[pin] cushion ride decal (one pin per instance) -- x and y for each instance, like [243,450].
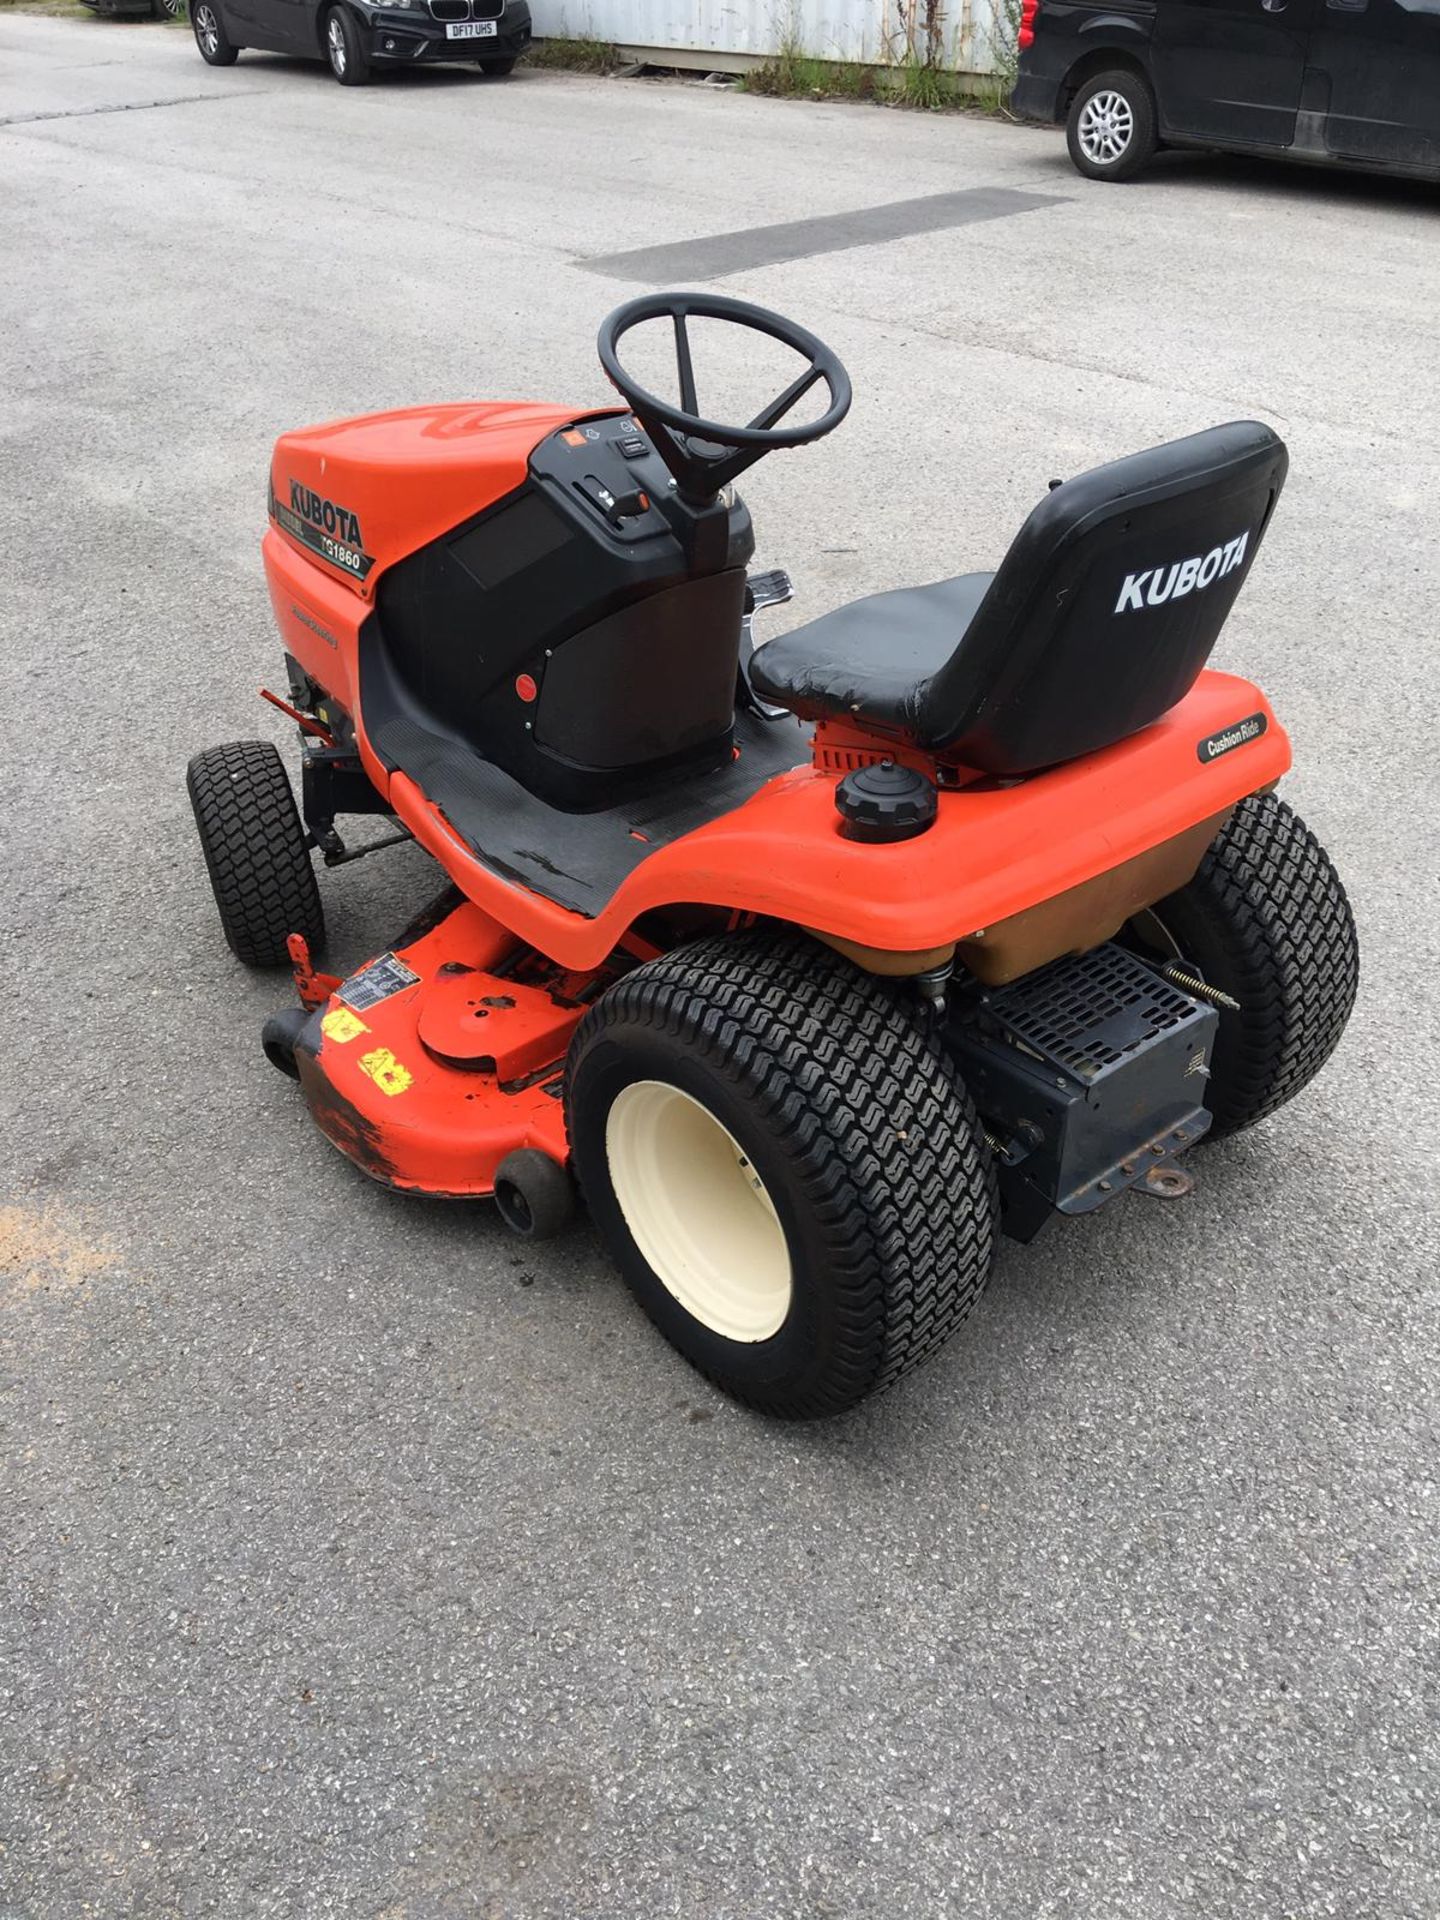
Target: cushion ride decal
[1240,735]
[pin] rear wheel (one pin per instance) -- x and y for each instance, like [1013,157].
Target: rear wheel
[789,1175]
[1266,920]
[497,67]
[255,850]
[1110,129]
[344,49]
[217,49]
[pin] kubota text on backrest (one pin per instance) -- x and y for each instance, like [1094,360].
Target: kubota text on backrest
[1108,603]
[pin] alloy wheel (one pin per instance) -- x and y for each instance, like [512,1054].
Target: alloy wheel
[1106,126]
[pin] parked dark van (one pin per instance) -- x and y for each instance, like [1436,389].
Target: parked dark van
[354,36]
[1349,82]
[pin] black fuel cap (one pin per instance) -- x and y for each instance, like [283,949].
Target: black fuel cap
[885,801]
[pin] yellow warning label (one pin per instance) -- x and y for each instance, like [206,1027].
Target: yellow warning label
[340,1025]
[385,1070]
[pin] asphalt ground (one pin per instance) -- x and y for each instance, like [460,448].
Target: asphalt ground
[360,1560]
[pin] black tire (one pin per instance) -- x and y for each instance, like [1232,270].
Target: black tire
[868,1147]
[255,851]
[278,1038]
[172,9]
[1132,114]
[535,1194]
[217,49]
[1266,920]
[344,49]
[498,68]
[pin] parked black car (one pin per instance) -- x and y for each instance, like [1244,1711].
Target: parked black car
[356,35]
[1350,82]
[160,9]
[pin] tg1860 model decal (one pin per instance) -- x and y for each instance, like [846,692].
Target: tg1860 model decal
[327,529]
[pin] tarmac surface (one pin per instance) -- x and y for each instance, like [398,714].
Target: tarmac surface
[360,1560]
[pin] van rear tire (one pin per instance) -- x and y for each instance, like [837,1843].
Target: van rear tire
[1110,128]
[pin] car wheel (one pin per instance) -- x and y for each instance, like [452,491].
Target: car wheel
[255,847]
[499,68]
[787,1171]
[171,9]
[217,49]
[343,49]
[1266,921]
[1111,126]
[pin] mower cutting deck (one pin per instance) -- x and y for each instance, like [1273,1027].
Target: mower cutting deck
[818,963]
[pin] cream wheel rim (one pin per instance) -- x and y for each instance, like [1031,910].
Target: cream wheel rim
[698,1211]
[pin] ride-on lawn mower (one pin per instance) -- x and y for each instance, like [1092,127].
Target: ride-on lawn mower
[810,1012]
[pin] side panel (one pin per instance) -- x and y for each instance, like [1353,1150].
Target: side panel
[318,617]
[280,21]
[1382,62]
[297,22]
[655,680]
[251,23]
[1231,70]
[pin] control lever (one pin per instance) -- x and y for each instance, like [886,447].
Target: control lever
[770,589]
[626,505]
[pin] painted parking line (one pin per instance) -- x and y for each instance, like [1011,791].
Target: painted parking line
[714,255]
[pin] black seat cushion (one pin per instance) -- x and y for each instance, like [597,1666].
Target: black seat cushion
[874,657]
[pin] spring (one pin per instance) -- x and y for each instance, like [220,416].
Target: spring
[1201,989]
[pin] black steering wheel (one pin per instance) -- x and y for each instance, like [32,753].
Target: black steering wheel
[702,454]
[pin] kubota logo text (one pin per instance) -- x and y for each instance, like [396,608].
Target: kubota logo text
[324,513]
[1157,584]
[332,532]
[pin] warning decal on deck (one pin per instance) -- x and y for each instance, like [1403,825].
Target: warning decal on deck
[377,982]
[341,1025]
[386,1071]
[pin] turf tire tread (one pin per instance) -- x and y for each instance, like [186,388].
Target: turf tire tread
[881,1133]
[255,851]
[1267,917]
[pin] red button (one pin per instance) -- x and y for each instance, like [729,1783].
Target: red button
[525,686]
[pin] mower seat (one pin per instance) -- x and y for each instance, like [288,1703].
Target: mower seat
[1100,618]
[870,657]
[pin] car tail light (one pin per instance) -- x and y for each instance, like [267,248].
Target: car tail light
[1028,11]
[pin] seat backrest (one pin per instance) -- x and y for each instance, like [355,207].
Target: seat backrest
[1108,603]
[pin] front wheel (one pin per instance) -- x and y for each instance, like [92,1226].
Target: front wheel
[1265,920]
[217,49]
[255,850]
[788,1173]
[344,49]
[1110,129]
